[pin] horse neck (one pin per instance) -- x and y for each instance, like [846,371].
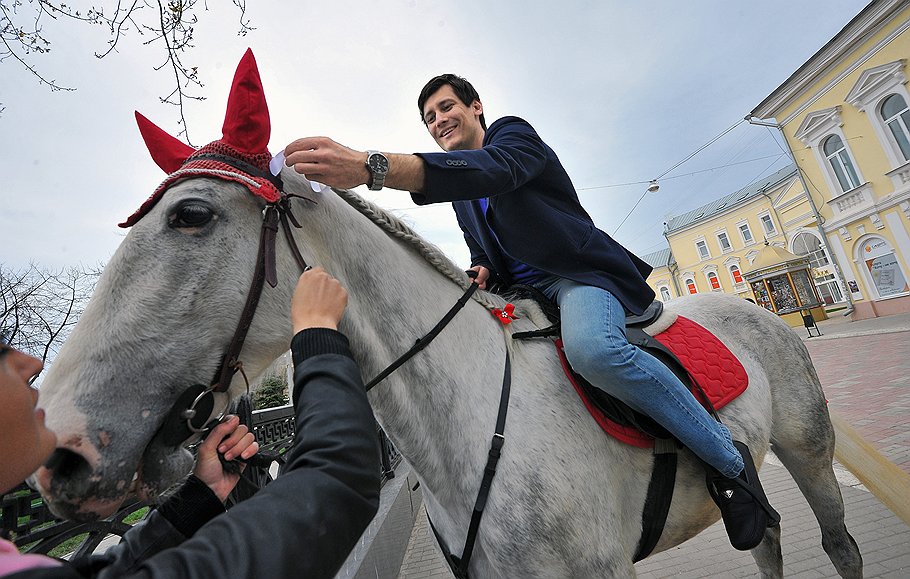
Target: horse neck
[441,401]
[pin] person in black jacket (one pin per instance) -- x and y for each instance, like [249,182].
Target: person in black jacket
[523,223]
[303,524]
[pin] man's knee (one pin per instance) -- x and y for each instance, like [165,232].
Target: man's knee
[598,362]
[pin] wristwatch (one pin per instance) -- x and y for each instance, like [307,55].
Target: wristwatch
[378,164]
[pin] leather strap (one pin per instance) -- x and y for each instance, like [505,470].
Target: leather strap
[459,565]
[660,495]
[265,262]
[424,341]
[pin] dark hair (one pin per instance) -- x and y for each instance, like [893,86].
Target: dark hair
[462,88]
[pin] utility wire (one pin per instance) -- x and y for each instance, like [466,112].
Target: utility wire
[682,175]
[689,156]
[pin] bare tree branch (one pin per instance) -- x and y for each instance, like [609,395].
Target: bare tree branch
[40,306]
[170,23]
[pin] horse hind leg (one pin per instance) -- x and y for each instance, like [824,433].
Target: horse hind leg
[802,435]
[814,475]
[806,448]
[768,556]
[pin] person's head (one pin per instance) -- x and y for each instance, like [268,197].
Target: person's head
[452,112]
[26,442]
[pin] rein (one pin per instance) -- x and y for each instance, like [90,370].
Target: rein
[425,341]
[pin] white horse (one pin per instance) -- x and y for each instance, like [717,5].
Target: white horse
[567,500]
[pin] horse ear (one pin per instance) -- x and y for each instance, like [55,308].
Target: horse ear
[246,123]
[168,152]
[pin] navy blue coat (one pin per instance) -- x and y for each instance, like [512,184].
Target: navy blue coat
[534,211]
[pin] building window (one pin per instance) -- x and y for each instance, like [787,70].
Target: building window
[702,247]
[884,270]
[896,115]
[767,224]
[690,285]
[746,233]
[840,162]
[807,244]
[736,275]
[665,293]
[724,242]
[712,279]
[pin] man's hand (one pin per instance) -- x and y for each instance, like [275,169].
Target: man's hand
[232,440]
[482,275]
[318,301]
[323,160]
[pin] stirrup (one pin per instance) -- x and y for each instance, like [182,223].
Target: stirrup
[742,502]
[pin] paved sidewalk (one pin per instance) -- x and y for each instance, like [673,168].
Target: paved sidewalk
[837,326]
[864,367]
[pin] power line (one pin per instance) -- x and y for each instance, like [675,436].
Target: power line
[776,155]
[689,156]
[702,148]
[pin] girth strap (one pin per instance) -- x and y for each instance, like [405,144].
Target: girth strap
[660,495]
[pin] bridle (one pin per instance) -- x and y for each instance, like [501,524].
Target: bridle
[190,415]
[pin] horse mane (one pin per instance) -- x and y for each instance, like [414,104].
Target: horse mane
[397,228]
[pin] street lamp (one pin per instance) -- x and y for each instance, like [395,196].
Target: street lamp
[818,217]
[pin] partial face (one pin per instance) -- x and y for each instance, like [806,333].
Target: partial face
[454,125]
[26,442]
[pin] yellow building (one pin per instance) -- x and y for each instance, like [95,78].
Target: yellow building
[712,247]
[663,278]
[844,113]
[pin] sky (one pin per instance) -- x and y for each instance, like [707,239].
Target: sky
[622,91]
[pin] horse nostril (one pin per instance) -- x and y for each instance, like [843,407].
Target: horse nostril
[67,464]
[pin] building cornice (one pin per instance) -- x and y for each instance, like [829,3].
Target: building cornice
[837,51]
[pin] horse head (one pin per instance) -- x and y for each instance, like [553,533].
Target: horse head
[180,278]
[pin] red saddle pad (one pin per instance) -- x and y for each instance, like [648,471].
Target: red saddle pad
[708,361]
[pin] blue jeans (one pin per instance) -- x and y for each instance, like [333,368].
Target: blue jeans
[593,333]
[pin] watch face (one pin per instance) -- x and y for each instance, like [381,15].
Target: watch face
[378,163]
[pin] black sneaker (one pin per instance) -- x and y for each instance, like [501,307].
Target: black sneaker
[743,504]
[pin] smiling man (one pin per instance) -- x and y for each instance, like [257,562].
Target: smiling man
[523,223]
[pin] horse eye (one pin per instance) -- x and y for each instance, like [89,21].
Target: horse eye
[191,215]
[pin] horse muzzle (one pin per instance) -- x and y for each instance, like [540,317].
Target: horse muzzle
[74,486]
[79,483]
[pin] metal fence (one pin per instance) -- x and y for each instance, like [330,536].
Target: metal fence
[26,520]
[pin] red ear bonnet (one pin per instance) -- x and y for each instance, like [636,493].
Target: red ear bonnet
[246,123]
[241,155]
[167,152]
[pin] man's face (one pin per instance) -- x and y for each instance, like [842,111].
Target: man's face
[454,125]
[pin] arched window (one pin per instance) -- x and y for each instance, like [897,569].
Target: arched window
[712,279]
[840,161]
[665,293]
[807,244]
[690,285]
[736,275]
[896,115]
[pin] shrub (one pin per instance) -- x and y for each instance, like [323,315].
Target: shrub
[272,392]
